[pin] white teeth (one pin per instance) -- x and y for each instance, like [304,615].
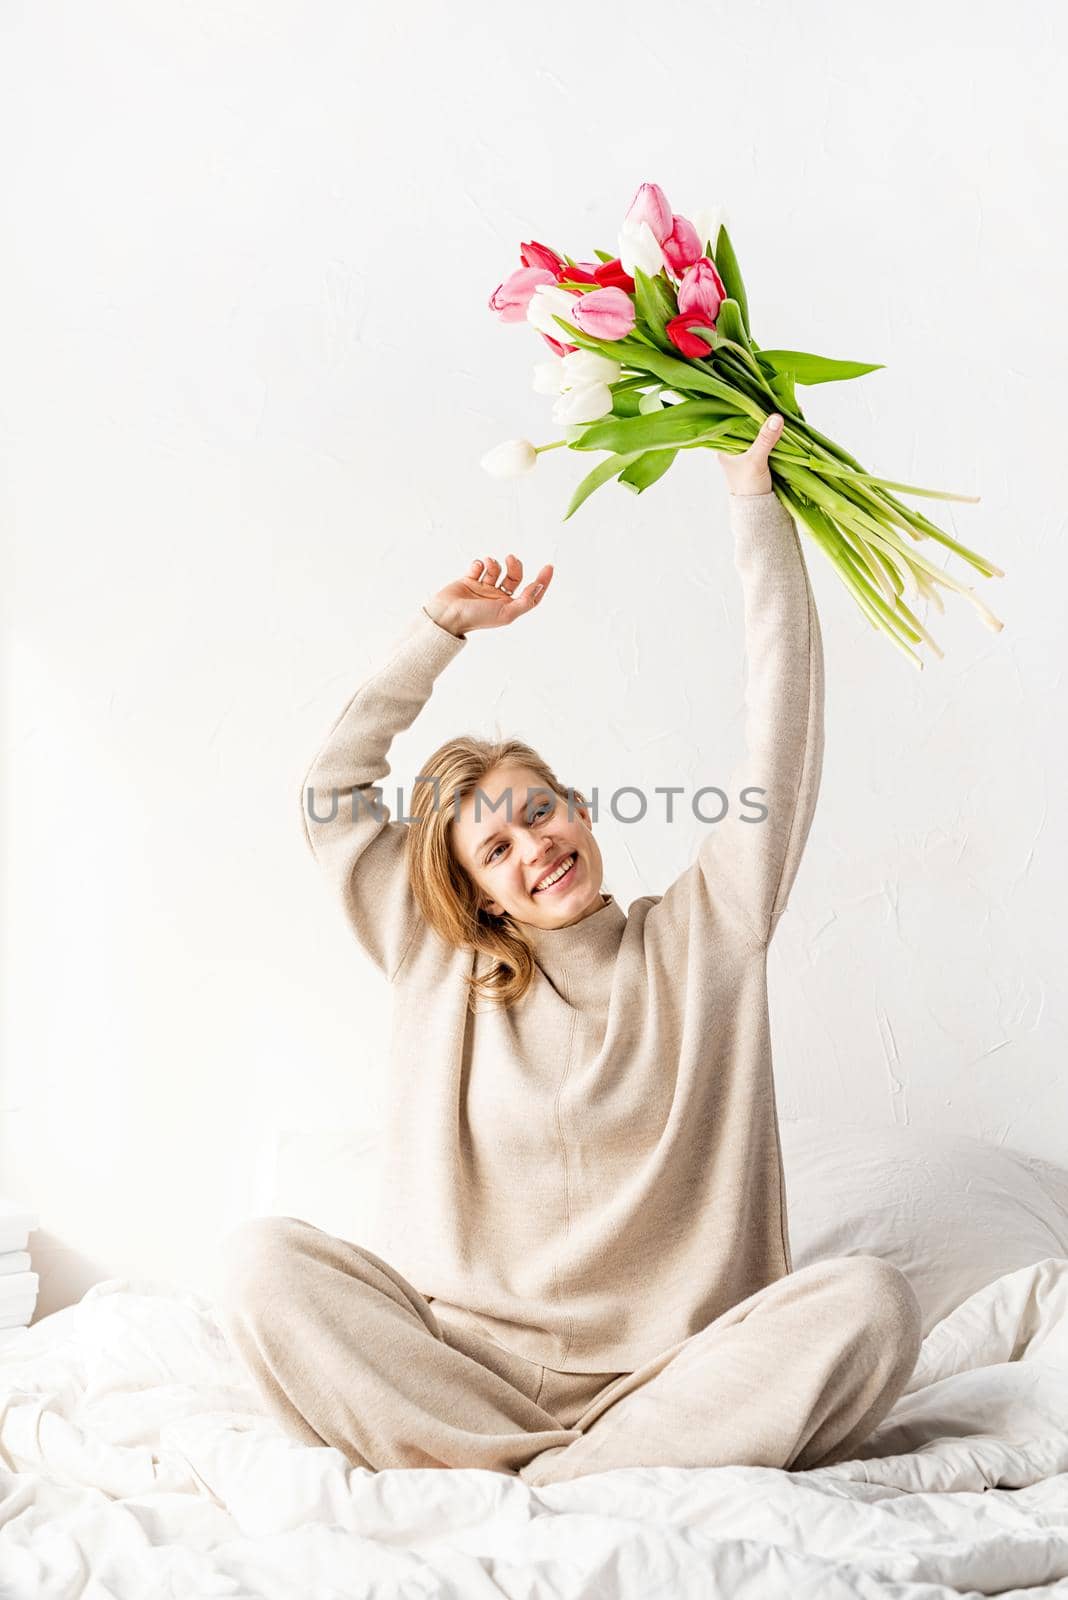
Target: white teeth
[548,882]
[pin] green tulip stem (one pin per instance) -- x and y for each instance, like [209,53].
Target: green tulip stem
[851,514]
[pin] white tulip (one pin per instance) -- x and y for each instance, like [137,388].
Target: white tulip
[650,402]
[584,404]
[638,248]
[586,366]
[546,302]
[549,377]
[510,459]
[708,222]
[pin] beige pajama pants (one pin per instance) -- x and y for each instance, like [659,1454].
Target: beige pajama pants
[345,1352]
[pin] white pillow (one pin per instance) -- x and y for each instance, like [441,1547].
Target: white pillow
[951,1212]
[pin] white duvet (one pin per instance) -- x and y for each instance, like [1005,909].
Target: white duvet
[136,1461]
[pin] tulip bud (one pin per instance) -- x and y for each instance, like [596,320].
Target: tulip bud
[638,247]
[547,302]
[584,404]
[650,206]
[691,344]
[510,459]
[606,314]
[586,366]
[701,291]
[682,247]
[511,298]
[708,222]
[610,275]
[540,255]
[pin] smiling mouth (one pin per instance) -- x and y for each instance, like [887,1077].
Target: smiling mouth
[559,883]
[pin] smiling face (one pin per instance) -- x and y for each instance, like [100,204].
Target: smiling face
[509,849]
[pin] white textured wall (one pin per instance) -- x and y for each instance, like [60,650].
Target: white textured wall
[249,372]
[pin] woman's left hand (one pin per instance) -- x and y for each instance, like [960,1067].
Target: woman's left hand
[748,473]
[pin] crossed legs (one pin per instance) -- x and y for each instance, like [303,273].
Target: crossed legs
[346,1352]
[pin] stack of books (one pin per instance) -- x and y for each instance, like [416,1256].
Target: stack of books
[18,1285]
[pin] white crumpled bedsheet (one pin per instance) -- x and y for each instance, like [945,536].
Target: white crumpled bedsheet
[136,1461]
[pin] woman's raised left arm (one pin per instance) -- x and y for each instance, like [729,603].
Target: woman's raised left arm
[750,859]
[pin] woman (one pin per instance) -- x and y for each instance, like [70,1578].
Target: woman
[584,1253]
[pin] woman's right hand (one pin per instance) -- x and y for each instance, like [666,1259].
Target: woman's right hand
[749,474]
[477,601]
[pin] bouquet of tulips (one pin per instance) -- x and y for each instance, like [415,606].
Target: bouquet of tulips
[653,354]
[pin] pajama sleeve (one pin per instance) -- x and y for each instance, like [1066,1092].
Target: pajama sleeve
[346,822]
[747,862]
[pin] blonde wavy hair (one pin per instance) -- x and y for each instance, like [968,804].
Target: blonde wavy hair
[446,894]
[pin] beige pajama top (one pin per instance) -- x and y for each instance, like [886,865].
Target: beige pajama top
[594,1174]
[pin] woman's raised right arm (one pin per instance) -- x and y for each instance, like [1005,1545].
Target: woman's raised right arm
[347,825]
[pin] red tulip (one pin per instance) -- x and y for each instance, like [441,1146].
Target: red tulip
[539,255]
[688,343]
[576,274]
[610,275]
[556,347]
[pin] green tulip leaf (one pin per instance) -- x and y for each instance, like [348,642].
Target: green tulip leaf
[647,469]
[674,425]
[601,473]
[730,325]
[782,386]
[626,403]
[656,305]
[709,335]
[727,266]
[807,369]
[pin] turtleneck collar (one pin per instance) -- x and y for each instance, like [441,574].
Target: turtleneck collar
[593,942]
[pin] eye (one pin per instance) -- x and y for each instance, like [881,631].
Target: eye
[535,816]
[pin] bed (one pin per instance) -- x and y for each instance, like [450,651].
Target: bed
[136,1459]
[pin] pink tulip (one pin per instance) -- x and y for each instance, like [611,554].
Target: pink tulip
[701,291]
[539,255]
[604,313]
[682,247]
[650,205]
[511,298]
